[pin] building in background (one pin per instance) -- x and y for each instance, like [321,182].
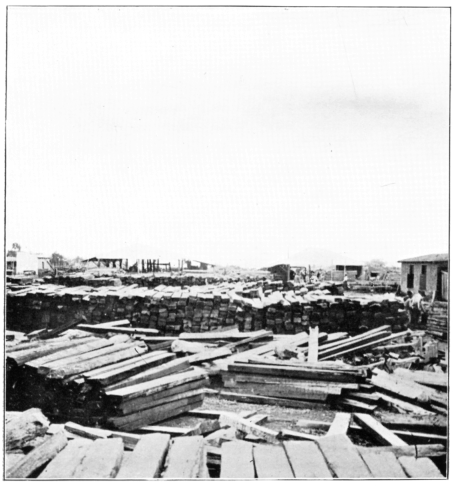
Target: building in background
[429,273]
[23,263]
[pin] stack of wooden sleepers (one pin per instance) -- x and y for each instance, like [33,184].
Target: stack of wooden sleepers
[437,322]
[173,309]
[98,380]
[37,449]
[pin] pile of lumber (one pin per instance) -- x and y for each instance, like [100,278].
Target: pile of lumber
[73,377]
[245,448]
[437,322]
[249,306]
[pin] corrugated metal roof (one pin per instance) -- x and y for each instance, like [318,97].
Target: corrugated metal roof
[433,258]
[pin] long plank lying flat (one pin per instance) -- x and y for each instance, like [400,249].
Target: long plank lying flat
[147,458]
[284,391]
[306,460]
[21,357]
[184,458]
[343,458]
[66,462]
[281,402]
[39,456]
[237,460]
[102,460]
[383,464]
[248,427]
[422,467]
[271,462]
[375,428]
[419,450]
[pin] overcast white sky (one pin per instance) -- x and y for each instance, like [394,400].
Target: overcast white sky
[232,135]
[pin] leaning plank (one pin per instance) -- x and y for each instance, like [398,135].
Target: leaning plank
[313,345]
[383,464]
[420,468]
[438,380]
[244,425]
[209,355]
[306,460]
[356,405]
[147,458]
[402,405]
[286,434]
[184,458]
[39,456]
[343,458]
[237,460]
[119,329]
[340,424]
[24,428]
[414,421]
[102,461]
[375,428]
[163,429]
[65,463]
[271,462]
[21,357]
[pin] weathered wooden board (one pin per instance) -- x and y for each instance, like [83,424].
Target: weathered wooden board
[147,458]
[102,460]
[313,344]
[343,458]
[24,428]
[237,460]
[419,450]
[65,463]
[118,329]
[271,462]
[420,468]
[39,456]
[184,458]
[87,432]
[281,402]
[306,460]
[382,464]
[248,427]
[340,424]
[375,428]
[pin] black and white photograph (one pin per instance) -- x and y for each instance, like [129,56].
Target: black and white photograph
[226,241]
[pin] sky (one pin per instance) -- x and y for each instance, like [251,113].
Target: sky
[230,135]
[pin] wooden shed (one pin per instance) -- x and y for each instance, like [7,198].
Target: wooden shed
[429,273]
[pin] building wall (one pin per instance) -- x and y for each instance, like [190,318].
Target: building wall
[431,280]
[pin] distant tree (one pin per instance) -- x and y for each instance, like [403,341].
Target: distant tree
[56,259]
[16,247]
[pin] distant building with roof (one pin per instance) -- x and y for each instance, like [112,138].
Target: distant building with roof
[429,273]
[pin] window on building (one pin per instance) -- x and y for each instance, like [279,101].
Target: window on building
[423,278]
[410,283]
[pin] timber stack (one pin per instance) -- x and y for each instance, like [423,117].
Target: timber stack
[437,322]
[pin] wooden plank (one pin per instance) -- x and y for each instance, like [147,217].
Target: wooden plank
[132,368]
[356,405]
[403,406]
[311,393]
[118,329]
[306,460]
[155,386]
[343,458]
[413,422]
[419,450]
[377,430]
[147,458]
[263,400]
[23,428]
[271,462]
[155,414]
[383,464]
[21,357]
[415,437]
[39,456]
[87,432]
[209,355]
[248,427]
[420,468]
[296,372]
[160,371]
[313,344]
[439,380]
[184,458]
[237,460]
[102,460]
[286,434]
[164,429]
[66,462]
[262,335]
[340,424]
